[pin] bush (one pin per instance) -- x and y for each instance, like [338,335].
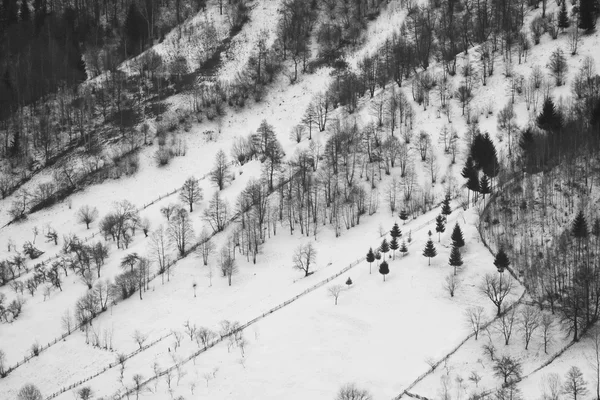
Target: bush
[163,156]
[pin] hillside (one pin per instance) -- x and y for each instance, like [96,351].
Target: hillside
[230,222]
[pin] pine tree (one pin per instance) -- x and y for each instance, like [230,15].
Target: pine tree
[403,248]
[469,172]
[587,15]
[25,12]
[549,119]
[429,251]
[440,226]
[385,247]
[370,258]
[457,236]
[396,232]
[484,186]
[455,258]
[501,261]
[349,282]
[384,269]
[580,230]
[377,256]
[394,245]
[446,210]
[563,17]
[492,166]
[404,216]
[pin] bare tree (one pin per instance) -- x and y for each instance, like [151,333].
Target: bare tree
[593,357]
[506,323]
[158,249]
[474,318]
[547,324]
[496,289]
[508,368]
[551,387]
[334,291]
[190,192]
[575,386]
[206,246]
[217,213]
[228,264]
[139,337]
[181,231]
[85,393]
[29,392]
[86,215]
[351,392]
[220,174]
[204,336]
[529,322]
[451,284]
[2,364]
[304,256]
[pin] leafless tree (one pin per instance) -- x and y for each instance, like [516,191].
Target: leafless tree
[474,318]
[217,213]
[159,245]
[220,174]
[497,289]
[593,357]
[228,264]
[451,284]
[190,193]
[139,337]
[529,321]
[506,323]
[204,336]
[190,329]
[29,392]
[304,256]
[575,386]
[334,291]
[351,392]
[181,231]
[2,364]
[86,215]
[551,387]
[547,324]
[508,368]
[206,246]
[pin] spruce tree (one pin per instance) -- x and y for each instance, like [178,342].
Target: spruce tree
[563,17]
[484,186]
[587,15]
[349,282]
[404,215]
[457,236]
[501,261]
[440,226]
[377,256]
[403,248]
[394,245]
[370,258]
[396,232]
[446,210]
[549,119]
[491,165]
[384,269]
[429,250]
[580,230]
[455,258]
[385,247]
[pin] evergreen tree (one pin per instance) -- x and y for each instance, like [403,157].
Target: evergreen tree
[457,236]
[370,258]
[429,250]
[403,248]
[394,245]
[384,269]
[469,172]
[15,146]
[587,15]
[377,256]
[491,165]
[484,186]
[580,230]
[501,261]
[549,119]
[455,258]
[478,151]
[25,12]
[440,226]
[385,247]
[446,210]
[563,17]
[349,282]
[404,215]
[396,232]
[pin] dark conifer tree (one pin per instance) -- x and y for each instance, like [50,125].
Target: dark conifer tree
[587,15]
[429,251]
[484,186]
[549,119]
[446,210]
[563,16]
[384,248]
[25,12]
[395,232]
[457,236]
[384,269]
[501,261]
[394,245]
[403,248]
[455,258]
[349,282]
[580,230]
[404,215]
[440,226]
[378,256]
[370,258]
[469,172]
